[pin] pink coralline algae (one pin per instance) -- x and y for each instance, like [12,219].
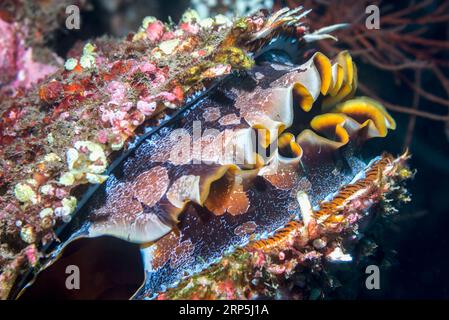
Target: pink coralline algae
[155,31]
[18,67]
[146,108]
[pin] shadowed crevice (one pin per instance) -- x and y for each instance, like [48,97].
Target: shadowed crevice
[109,268]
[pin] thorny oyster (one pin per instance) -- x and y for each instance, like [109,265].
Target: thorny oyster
[225,171]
